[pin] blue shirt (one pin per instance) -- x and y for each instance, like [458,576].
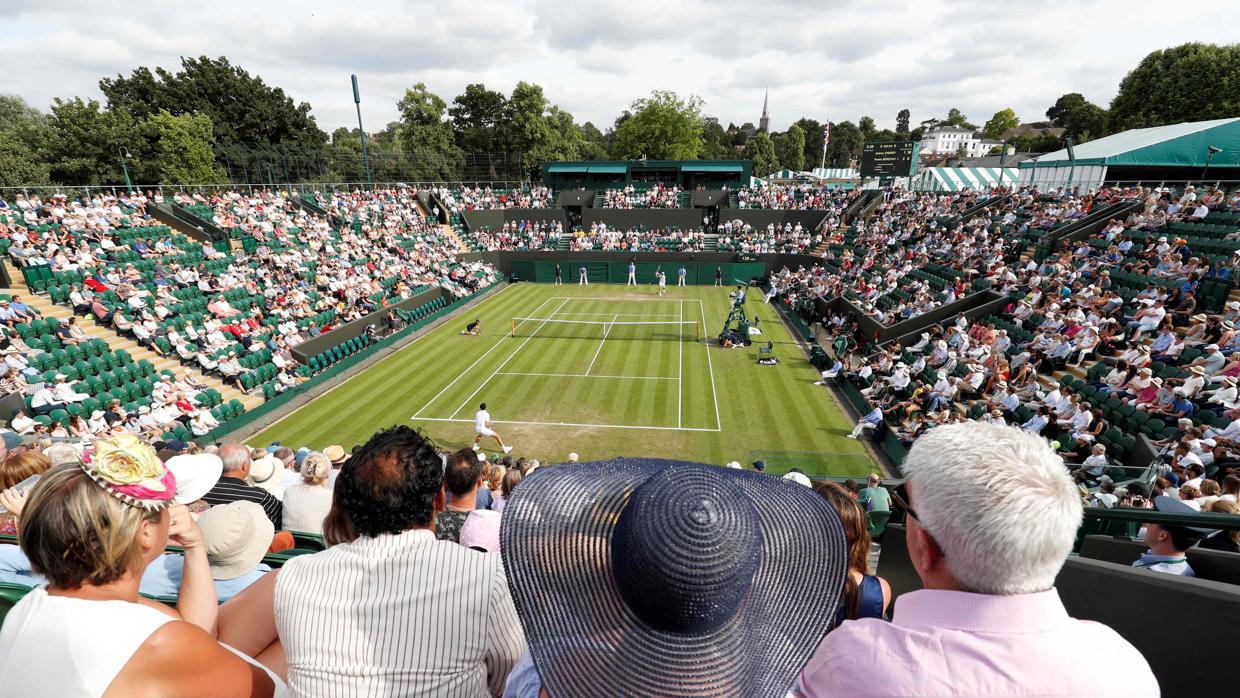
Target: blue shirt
[484,499]
[1169,564]
[875,417]
[163,578]
[15,567]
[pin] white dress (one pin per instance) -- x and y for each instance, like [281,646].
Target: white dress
[67,647]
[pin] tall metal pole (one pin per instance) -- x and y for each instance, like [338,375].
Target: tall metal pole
[123,152]
[357,101]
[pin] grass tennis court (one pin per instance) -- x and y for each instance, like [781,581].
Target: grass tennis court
[603,370]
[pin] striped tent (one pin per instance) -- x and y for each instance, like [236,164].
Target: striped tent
[835,172]
[786,175]
[958,178]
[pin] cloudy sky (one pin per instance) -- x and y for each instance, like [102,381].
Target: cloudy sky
[834,59]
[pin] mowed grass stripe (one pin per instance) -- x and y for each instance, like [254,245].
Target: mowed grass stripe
[761,408]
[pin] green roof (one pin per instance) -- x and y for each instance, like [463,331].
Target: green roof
[712,168]
[608,169]
[566,167]
[1176,145]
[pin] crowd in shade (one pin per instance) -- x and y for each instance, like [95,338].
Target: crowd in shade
[485,198]
[657,196]
[600,236]
[519,235]
[178,568]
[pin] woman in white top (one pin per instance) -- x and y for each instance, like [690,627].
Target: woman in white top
[91,529]
[306,505]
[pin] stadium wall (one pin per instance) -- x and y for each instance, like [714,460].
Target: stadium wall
[495,218]
[313,347]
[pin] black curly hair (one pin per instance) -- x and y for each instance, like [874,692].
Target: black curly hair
[390,483]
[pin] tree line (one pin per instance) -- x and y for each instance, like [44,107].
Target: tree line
[214,122]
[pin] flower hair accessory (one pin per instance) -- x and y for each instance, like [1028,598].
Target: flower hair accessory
[129,470]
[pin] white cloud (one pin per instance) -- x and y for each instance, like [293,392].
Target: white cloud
[837,59]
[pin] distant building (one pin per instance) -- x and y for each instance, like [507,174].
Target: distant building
[949,140]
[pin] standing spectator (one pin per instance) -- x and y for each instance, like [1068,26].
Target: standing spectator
[306,505]
[1008,634]
[233,487]
[351,617]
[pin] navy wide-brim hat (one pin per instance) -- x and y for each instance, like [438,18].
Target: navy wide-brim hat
[636,577]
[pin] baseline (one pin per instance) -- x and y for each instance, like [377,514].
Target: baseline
[566,424]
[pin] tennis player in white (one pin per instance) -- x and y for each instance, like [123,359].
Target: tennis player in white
[662,283]
[482,426]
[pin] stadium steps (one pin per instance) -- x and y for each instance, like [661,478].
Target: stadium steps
[115,341]
[565,243]
[711,242]
[450,233]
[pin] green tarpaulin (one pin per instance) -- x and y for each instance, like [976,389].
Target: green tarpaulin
[1177,145]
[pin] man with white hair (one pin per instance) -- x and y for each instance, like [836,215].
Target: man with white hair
[988,620]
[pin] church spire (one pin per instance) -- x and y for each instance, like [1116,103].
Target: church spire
[765,122]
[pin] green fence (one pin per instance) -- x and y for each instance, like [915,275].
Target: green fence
[697,273]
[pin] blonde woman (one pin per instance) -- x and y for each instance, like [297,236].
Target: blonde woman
[91,529]
[307,504]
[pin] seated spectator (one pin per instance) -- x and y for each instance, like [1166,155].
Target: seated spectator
[865,595]
[1168,543]
[385,569]
[989,620]
[90,529]
[462,478]
[1228,541]
[233,487]
[237,537]
[13,471]
[306,505]
[637,597]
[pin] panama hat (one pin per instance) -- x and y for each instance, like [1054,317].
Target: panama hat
[238,535]
[653,577]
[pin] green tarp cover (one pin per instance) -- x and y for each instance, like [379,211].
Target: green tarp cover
[564,167]
[1177,145]
[712,168]
[609,169]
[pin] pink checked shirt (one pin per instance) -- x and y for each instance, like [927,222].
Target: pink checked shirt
[952,643]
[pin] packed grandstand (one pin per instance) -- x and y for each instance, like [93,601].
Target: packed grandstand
[241,455]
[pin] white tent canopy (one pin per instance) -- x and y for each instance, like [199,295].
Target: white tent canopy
[959,178]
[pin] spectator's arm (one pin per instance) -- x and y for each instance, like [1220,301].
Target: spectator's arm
[505,642]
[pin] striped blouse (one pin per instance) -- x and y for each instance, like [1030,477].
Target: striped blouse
[397,615]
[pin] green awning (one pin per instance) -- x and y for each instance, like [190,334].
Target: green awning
[608,169]
[567,167]
[712,168]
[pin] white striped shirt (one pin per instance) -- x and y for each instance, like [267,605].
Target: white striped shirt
[397,615]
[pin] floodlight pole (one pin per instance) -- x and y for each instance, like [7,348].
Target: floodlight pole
[1210,151]
[123,152]
[357,101]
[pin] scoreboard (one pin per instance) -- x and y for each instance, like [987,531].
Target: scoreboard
[892,159]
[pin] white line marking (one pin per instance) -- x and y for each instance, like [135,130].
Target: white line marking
[582,375]
[565,424]
[606,331]
[680,366]
[642,315]
[415,340]
[506,361]
[710,365]
[471,366]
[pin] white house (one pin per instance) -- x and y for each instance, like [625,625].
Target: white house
[948,140]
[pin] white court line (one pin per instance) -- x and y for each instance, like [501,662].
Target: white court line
[606,332]
[475,363]
[510,358]
[711,366]
[680,366]
[624,300]
[641,315]
[582,375]
[565,424]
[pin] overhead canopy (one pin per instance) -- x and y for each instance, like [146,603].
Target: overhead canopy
[608,169]
[567,167]
[1177,145]
[714,167]
[835,172]
[958,178]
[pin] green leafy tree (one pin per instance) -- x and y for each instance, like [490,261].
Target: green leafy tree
[790,148]
[594,143]
[761,151]
[1003,120]
[539,132]
[83,142]
[813,142]
[242,107]
[716,143]
[23,132]
[902,119]
[181,149]
[884,136]
[956,118]
[426,136]
[1190,82]
[662,127]
[1078,117]
[477,114]
[845,144]
[867,128]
